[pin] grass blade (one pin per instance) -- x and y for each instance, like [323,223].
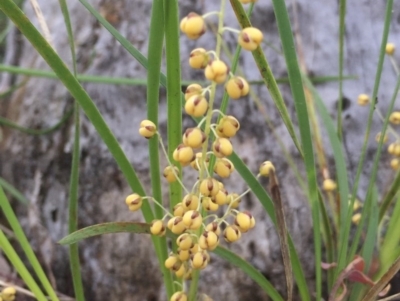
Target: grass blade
[13,191]
[342,15]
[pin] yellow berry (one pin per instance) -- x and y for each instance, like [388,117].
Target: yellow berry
[223,167]
[208,204]
[249,38]
[134,201]
[170,173]
[216,71]
[193,26]
[391,148]
[232,233]
[390,48]
[198,58]
[147,129]
[192,219]
[208,240]
[176,225]
[234,200]
[395,164]
[395,117]
[266,167]
[214,227]
[196,106]
[185,241]
[209,187]
[8,293]
[221,198]
[190,202]
[200,260]
[363,99]
[157,227]
[194,137]
[356,218]
[237,87]
[245,221]
[193,89]
[222,147]
[179,210]
[179,296]
[183,154]
[227,127]
[329,185]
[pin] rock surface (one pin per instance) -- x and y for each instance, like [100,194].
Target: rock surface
[123,266]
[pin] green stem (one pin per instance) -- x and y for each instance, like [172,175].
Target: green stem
[342,15]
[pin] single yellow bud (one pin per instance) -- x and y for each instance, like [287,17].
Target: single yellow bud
[363,99]
[395,117]
[227,127]
[157,227]
[223,167]
[193,89]
[179,296]
[171,261]
[196,105]
[170,173]
[198,161]
[232,233]
[193,26]
[356,218]
[329,185]
[221,198]
[147,129]
[198,58]
[8,293]
[245,221]
[391,148]
[194,137]
[183,255]
[208,204]
[181,271]
[216,71]
[222,147]
[237,87]
[214,227]
[390,48]
[209,187]
[266,167]
[249,38]
[185,241]
[234,200]
[134,201]
[208,240]
[176,225]
[192,219]
[183,154]
[395,164]
[200,260]
[179,210]
[190,202]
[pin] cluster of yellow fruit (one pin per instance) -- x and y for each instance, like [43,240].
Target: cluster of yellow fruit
[8,294]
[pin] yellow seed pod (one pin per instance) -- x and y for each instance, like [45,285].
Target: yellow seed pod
[390,48]
[222,147]
[194,137]
[391,148]
[191,90]
[395,163]
[363,99]
[214,227]
[245,221]
[396,150]
[221,198]
[216,71]
[197,162]
[196,105]
[170,172]
[200,260]
[266,167]
[356,218]
[208,204]
[171,261]
[134,201]
[193,26]
[234,200]
[182,270]
[190,202]
[227,127]
[209,187]
[183,154]
[232,233]
[198,58]
[147,129]
[378,137]
[8,293]
[395,117]
[179,210]
[357,204]
[249,38]
[237,87]
[192,219]
[185,241]
[208,240]
[178,296]
[223,167]
[329,185]
[176,225]
[157,227]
